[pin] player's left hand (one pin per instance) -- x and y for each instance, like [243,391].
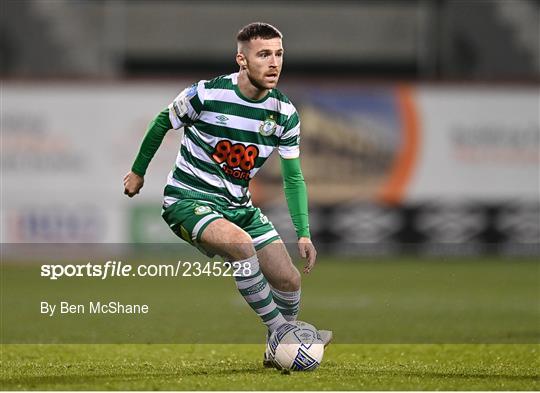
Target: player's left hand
[307,250]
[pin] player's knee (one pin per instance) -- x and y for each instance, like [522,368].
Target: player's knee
[294,281]
[297,280]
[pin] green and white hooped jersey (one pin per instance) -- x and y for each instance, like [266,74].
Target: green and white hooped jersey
[227,138]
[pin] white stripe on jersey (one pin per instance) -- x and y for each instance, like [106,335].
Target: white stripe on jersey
[195,151]
[237,122]
[175,183]
[212,180]
[292,132]
[181,105]
[271,103]
[289,152]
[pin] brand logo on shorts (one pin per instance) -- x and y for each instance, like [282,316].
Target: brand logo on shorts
[268,127]
[199,210]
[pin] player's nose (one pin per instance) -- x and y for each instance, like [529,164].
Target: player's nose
[273,61]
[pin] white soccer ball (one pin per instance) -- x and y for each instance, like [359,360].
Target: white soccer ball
[296,346]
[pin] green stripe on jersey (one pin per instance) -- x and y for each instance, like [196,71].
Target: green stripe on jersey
[196,104]
[181,193]
[207,167]
[221,82]
[190,134]
[236,134]
[200,185]
[292,141]
[248,112]
[293,122]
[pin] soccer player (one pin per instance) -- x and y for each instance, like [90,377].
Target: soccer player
[232,124]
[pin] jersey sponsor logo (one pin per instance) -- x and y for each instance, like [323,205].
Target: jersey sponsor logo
[268,127]
[236,160]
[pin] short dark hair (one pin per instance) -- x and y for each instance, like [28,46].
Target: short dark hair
[255,30]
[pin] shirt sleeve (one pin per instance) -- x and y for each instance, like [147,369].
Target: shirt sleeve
[289,142]
[295,190]
[187,106]
[152,140]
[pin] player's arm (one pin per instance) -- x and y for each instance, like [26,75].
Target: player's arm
[134,180]
[184,109]
[295,190]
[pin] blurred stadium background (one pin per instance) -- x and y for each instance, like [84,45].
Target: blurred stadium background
[420,118]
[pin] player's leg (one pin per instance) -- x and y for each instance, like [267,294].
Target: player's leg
[283,276]
[275,261]
[276,265]
[235,245]
[203,225]
[284,280]
[227,240]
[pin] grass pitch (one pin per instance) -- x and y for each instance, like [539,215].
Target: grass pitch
[400,324]
[238,367]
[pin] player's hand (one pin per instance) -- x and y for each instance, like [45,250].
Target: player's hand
[307,250]
[133,184]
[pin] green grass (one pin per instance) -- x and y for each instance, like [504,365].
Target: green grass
[399,324]
[364,301]
[238,367]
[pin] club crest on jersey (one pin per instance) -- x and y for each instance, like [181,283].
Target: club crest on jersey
[200,210]
[268,127]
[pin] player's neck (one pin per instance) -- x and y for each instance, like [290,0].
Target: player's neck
[248,89]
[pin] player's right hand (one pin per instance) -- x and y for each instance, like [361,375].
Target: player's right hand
[133,184]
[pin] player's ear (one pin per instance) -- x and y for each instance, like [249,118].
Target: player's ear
[241,60]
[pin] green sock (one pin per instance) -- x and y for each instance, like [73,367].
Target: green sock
[256,290]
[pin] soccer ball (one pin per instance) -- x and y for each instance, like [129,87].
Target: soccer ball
[296,346]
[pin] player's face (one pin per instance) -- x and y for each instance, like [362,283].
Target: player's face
[263,62]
